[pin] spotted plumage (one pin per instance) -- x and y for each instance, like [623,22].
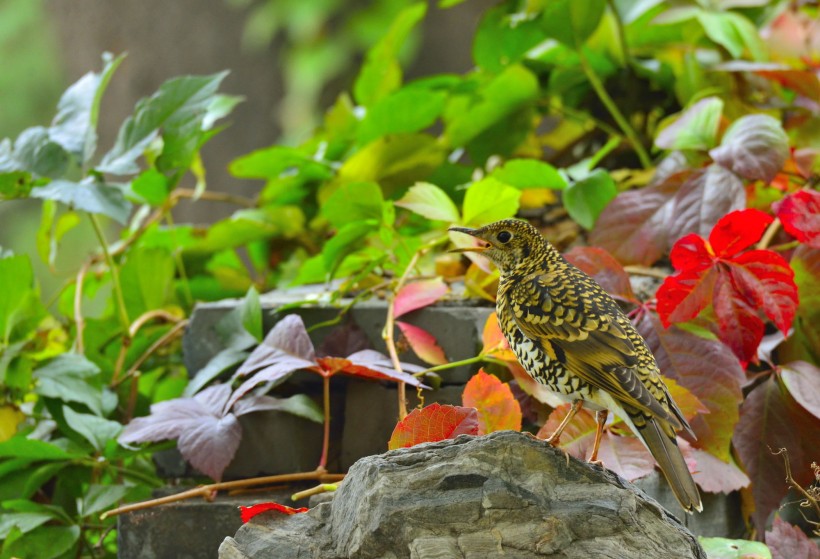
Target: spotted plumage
[571,336]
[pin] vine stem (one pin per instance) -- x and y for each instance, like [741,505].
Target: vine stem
[326,428]
[613,109]
[323,488]
[115,274]
[207,491]
[769,235]
[79,321]
[168,336]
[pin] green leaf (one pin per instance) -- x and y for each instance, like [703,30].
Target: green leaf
[50,234]
[66,378]
[503,38]
[353,201]
[44,542]
[151,187]
[723,548]
[346,240]
[16,184]
[218,364]
[33,449]
[74,127]
[96,430]
[408,110]
[272,162]
[20,306]
[147,280]
[245,226]
[381,73]
[529,173]
[24,521]
[178,107]
[35,152]
[251,313]
[430,201]
[98,498]
[467,116]
[572,21]
[695,128]
[220,106]
[88,195]
[586,199]
[302,406]
[394,160]
[489,200]
[733,32]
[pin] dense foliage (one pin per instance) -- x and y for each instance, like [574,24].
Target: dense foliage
[682,139]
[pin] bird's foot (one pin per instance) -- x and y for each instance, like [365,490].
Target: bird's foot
[596,463]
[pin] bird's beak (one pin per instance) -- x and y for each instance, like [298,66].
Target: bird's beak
[472,232]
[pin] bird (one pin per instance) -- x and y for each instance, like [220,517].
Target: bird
[569,334]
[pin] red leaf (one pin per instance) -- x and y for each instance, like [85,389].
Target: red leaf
[691,253]
[800,215]
[739,325]
[604,269]
[372,365]
[251,511]
[417,295]
[497,407]
[423,343]
[713,474]
[738,231]
[767,281]
[682,296]
[790,542]
[803,382]
[706,369]
[435,422]
[769,420]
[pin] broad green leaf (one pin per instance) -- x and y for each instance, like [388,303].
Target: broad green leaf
[74,127]
[15,184]
[219,106]
[89,195]
[251,313]
[723,548]
[96,430]
[302,406]
[24,521]
[466,116]
[586,199]
[178,107]
[410,109]
[430,201]
[35,152]
[572,21]
[32,449]
[98,498]
[529,173]
[44,542]
[489,200]
[353,201]
[218,364]
[732,31]
[503,38]
[66,378]
[695,128]
[20,306]
[147,280]
[245,226]
[272,162]
[381,73]
[395,160]
[346,240]
[151,187]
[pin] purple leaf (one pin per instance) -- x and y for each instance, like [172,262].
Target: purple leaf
[167,420]
[288,339]
[702,200]
[344,340]
[214,398]
[754,146]
[603,268]
[210,444]
[274,374]
[803,382]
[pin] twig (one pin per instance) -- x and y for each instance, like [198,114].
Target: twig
[151,315]
[169,335]
[324,488]
[326,425]
[79,321]
[810,501]
[768,236]
[206,491]
[613,109]
[214,197]
[644,271]
[115,276]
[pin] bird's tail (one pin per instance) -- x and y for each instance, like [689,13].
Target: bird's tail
[665,450]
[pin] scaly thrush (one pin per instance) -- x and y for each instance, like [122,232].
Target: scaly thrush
[571,336]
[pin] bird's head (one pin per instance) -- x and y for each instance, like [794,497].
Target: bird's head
[507,243]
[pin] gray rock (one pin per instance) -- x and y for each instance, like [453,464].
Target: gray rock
[502,495]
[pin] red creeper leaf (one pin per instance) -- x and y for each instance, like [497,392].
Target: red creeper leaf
[497,407]
[433,423]
[423,343]
[253,510]
[789,542]
[767,280]
[800,215]
[738,231]
[417,295]
[739,326]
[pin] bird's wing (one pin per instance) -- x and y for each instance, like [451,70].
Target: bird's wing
[579,320]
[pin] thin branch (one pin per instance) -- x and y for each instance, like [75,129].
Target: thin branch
[323,488]
[207,491]
[151,315]
[644,271]
[810,500]
[214,197]
[115,275]
[614,111]
[168,336]
[768,236]
[79,321]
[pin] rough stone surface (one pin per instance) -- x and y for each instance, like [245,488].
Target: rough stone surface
[503,495]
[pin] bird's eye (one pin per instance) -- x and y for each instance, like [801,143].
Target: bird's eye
[504,236]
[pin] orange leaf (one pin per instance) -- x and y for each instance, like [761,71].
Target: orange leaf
[688,403]
[578,436]
[497,407]
[495,344]
[435,422]
[249,512]
[423,343]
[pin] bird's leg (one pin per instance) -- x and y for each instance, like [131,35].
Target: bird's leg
[600,421]
[576,407]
